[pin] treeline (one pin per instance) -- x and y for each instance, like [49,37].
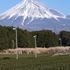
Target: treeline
[45,38]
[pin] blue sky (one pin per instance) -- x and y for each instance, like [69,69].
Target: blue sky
[60,5]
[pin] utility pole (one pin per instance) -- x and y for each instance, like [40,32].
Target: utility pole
[60,41]
[35,45]
[16,43]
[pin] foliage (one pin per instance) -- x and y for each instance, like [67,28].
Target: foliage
[65,37]
[45,38]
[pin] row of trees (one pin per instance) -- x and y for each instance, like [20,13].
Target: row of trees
[45,38]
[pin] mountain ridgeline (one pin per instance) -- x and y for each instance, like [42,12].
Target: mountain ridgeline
[45,38]
[33,16]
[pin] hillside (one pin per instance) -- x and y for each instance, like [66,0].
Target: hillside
[33,16]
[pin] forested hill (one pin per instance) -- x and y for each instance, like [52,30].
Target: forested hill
[45,38]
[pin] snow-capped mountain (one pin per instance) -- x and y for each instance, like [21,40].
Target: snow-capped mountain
[31,15]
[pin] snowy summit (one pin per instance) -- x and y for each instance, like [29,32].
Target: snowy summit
[31,15]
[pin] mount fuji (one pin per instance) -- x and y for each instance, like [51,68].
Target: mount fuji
[33,16]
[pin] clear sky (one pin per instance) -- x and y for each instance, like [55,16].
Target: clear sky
[60,5]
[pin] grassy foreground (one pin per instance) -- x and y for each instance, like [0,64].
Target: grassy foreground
[29,62]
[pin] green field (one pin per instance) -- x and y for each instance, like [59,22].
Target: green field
[29,62]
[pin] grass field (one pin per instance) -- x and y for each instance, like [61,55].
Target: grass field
[29,62]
